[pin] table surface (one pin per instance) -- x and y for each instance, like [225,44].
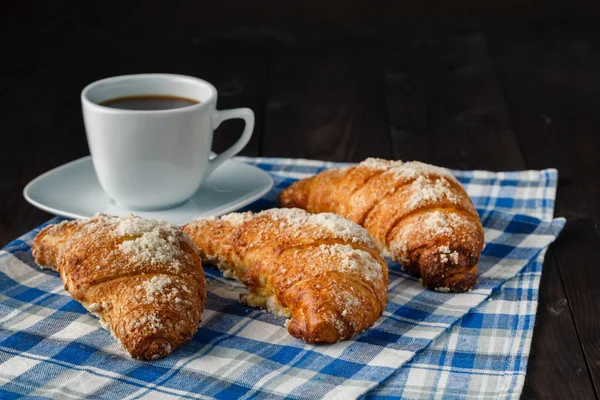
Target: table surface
[467,96]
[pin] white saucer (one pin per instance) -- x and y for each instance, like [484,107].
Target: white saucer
[72,190]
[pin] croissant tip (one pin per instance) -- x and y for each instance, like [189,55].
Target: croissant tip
[153,348]
[457,283]
[323,332]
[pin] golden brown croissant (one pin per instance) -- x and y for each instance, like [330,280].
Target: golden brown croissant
[322,271]
[420,215]
[142,278]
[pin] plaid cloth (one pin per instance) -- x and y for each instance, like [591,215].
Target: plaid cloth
[426,345]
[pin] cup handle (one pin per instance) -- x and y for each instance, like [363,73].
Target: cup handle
[243,113]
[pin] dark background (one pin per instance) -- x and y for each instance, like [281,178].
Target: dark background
[498,85]
[228,12]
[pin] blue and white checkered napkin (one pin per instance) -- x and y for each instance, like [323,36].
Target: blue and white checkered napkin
[473,344]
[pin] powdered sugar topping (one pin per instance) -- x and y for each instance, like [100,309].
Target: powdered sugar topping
[444,250]
[435,224]
[438,223]
[130,225]
[406,170]
[150,321]
[380,163]
[237,218]
[340,227]
[353,260]
[448,256]
[144,240]
[424,189]
[148,240]
[398,251]
[413,169]
[158,286]
[153,247]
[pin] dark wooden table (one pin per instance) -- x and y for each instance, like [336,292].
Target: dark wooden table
[467,96]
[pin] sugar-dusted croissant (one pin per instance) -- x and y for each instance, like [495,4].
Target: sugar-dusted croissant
[322,271]
[142,278]
[420,215]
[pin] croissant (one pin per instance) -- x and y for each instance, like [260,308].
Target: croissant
[322,271]
[419,215]
[142,279]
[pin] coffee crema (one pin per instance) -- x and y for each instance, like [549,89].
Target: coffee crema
[149,102]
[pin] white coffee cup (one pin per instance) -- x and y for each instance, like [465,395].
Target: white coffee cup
[155,159]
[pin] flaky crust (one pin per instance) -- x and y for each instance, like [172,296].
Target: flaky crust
[51,238]
[143,279]
[420,215]
[322,271]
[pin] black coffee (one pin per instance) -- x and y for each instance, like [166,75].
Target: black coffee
[149,102]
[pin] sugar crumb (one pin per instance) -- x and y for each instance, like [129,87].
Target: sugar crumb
[345,258]
[424,189]
[154,247]
[157,286]
[340,227]
[237,218]
[131,225]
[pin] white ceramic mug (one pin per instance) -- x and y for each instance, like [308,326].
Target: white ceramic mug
[155,159]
